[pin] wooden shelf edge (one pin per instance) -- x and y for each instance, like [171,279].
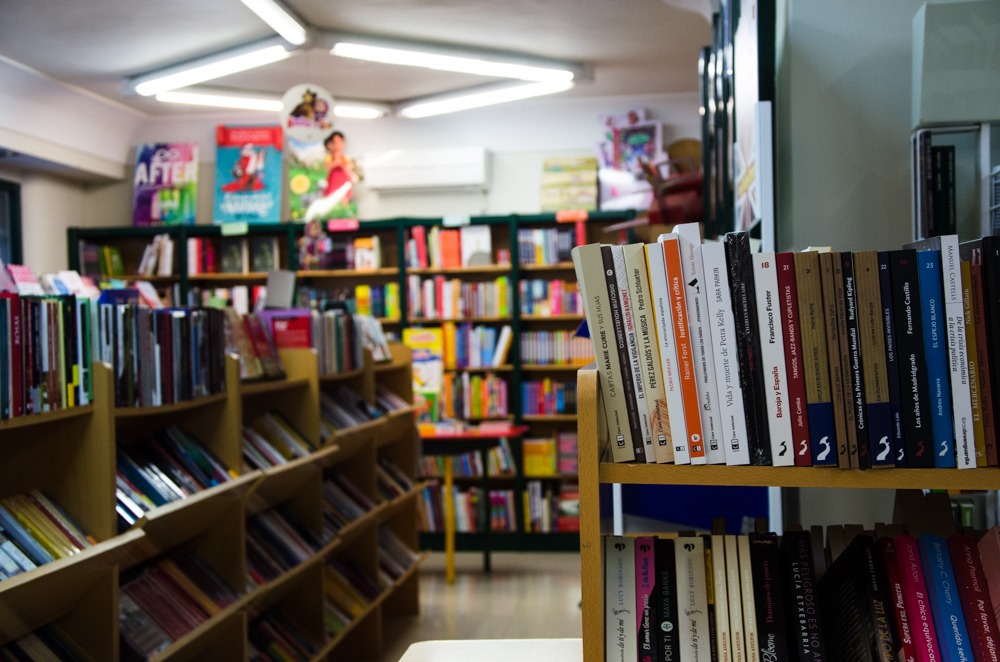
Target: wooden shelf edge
[341,376]
[45,417]
[257,388]
[174,408]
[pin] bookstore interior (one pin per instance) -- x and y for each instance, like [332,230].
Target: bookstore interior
[237,423]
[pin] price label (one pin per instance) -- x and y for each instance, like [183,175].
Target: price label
[234,229]
[342,225]
[571,215]
[455,221]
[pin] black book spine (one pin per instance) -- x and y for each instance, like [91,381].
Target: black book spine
[891,359]
[625,361]
[806,642]
[912,365]
[664,600]
[743,294]
[855,375]
[991,304]
[768,598]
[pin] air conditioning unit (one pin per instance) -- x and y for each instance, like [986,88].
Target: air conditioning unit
[425,169]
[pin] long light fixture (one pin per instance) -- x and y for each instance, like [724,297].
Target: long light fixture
[451,103]
[209,68]
[218,98]
[442,58]
[280,20]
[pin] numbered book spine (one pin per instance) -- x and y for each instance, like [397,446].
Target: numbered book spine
[946,608]
[645,585]
[804,623]
[815,360]
[872,335]
[918,606]
[773,358]
[695,291]
[589,267]
[891,359]
[685,352]
[667,354]
[936,355]
[827,278]
[723,341]
[667,621]
[910,356]
[646,345]
[619,599]
[628,355]
[790,326]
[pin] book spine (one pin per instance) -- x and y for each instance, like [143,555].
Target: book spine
[949,622]
[685,352]
[797,403]
[645,584]
[667,354]
[589,266]
[720,588]
[872,336]
[751,641]
[621,319]
[646,345]
[773,358]
[799,576]
[974,594]
[972,363]
[695,293]
[667,621]
[904,635]
[768,597]
[991,312]
[619,599]
[694,642]
[910,355]
[722,327]
[712,611]
[744,300]
[854,365]
[737,637]
[891,359]
[982,360]
[957,351]
[936,355]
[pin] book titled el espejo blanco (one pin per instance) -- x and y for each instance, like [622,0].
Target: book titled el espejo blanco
[165,184]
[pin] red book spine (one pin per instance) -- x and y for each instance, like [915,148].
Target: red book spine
[16,355]
[904,628]
[793,358]
[918,607]
[983,363]
[973,591]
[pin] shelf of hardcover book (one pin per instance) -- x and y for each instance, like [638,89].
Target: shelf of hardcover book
[287,621]
[104,253]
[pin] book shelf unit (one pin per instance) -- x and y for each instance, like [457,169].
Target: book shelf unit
[595,515]
[70,455]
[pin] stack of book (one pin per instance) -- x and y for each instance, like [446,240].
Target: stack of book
[346,409]
[272,441]
[390,482]
[548,397]
[275,636]
[440,298]
[277,542]
[548,245]
[343,503]
[48,642]
[35,530]
[555,348]
[395,557]
[480,346]
[474,397]
[708,353]
[349,587]
[549,297]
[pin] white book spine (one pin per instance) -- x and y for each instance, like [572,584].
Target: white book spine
[695,291]
[772,359]
[722,324]
[667,352]
[694,642]
[961,396]
[723,635]
[749,607]
[632,342]
[735,605]
[620,625]
[642,312]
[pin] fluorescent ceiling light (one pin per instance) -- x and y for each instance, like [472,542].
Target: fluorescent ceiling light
[209,68]
[455,102]
[279,19]
[359,111]
[221,100]
[443,59]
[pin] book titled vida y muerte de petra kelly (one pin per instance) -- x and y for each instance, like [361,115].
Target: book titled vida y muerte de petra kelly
[165,184]
[248,174]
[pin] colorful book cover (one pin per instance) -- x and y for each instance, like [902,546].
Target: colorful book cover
[428,366]
[936,353]
[247,174]
[308,175]
[165,184]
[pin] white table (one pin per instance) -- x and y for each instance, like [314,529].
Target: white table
[496,650]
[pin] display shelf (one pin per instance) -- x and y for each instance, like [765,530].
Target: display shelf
[551,367]
[483,270]
[550,418]
[352,274]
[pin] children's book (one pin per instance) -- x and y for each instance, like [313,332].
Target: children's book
[165,184]
[248,174]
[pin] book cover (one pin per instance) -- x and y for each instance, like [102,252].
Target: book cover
[974,594]
[798,406]
[909,328]
[677,450]
[936,356]
[873,344]
[942,591]
[837,376]
[265,253]
[891,360]
[806,642]
[744,298]
[904,635]
[769,597]
[589,265]
[645,584]
[916,599]
[632,360]
[696,293]
[694,642]
[165,184]
[234,255]
[855,602]
[646,343]
[815,358]
[772,356]
[722,328]
[620,624]
[248,174]
[476,245]
[685,351]
[665,605]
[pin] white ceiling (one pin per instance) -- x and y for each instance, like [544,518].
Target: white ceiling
[636,47]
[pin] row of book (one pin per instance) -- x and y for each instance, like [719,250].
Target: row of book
[49,642]
[473,396]
[549,508]
[500,510]
[555,348]
[550,456]
[35,530]
[540,297]
[229,255]
[449,248]
[271,441]
[548,396]
[759,596]
[708,353]
[378,300]
[537,246]
[277,541]
[343,503]
[475,346]
[443,298]
[499,462]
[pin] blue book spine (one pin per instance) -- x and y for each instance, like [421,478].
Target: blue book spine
[946,607]
[936,354]
[891,360]
[24,540]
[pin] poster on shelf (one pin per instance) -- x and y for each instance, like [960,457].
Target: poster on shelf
[248,174]
[165,184]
